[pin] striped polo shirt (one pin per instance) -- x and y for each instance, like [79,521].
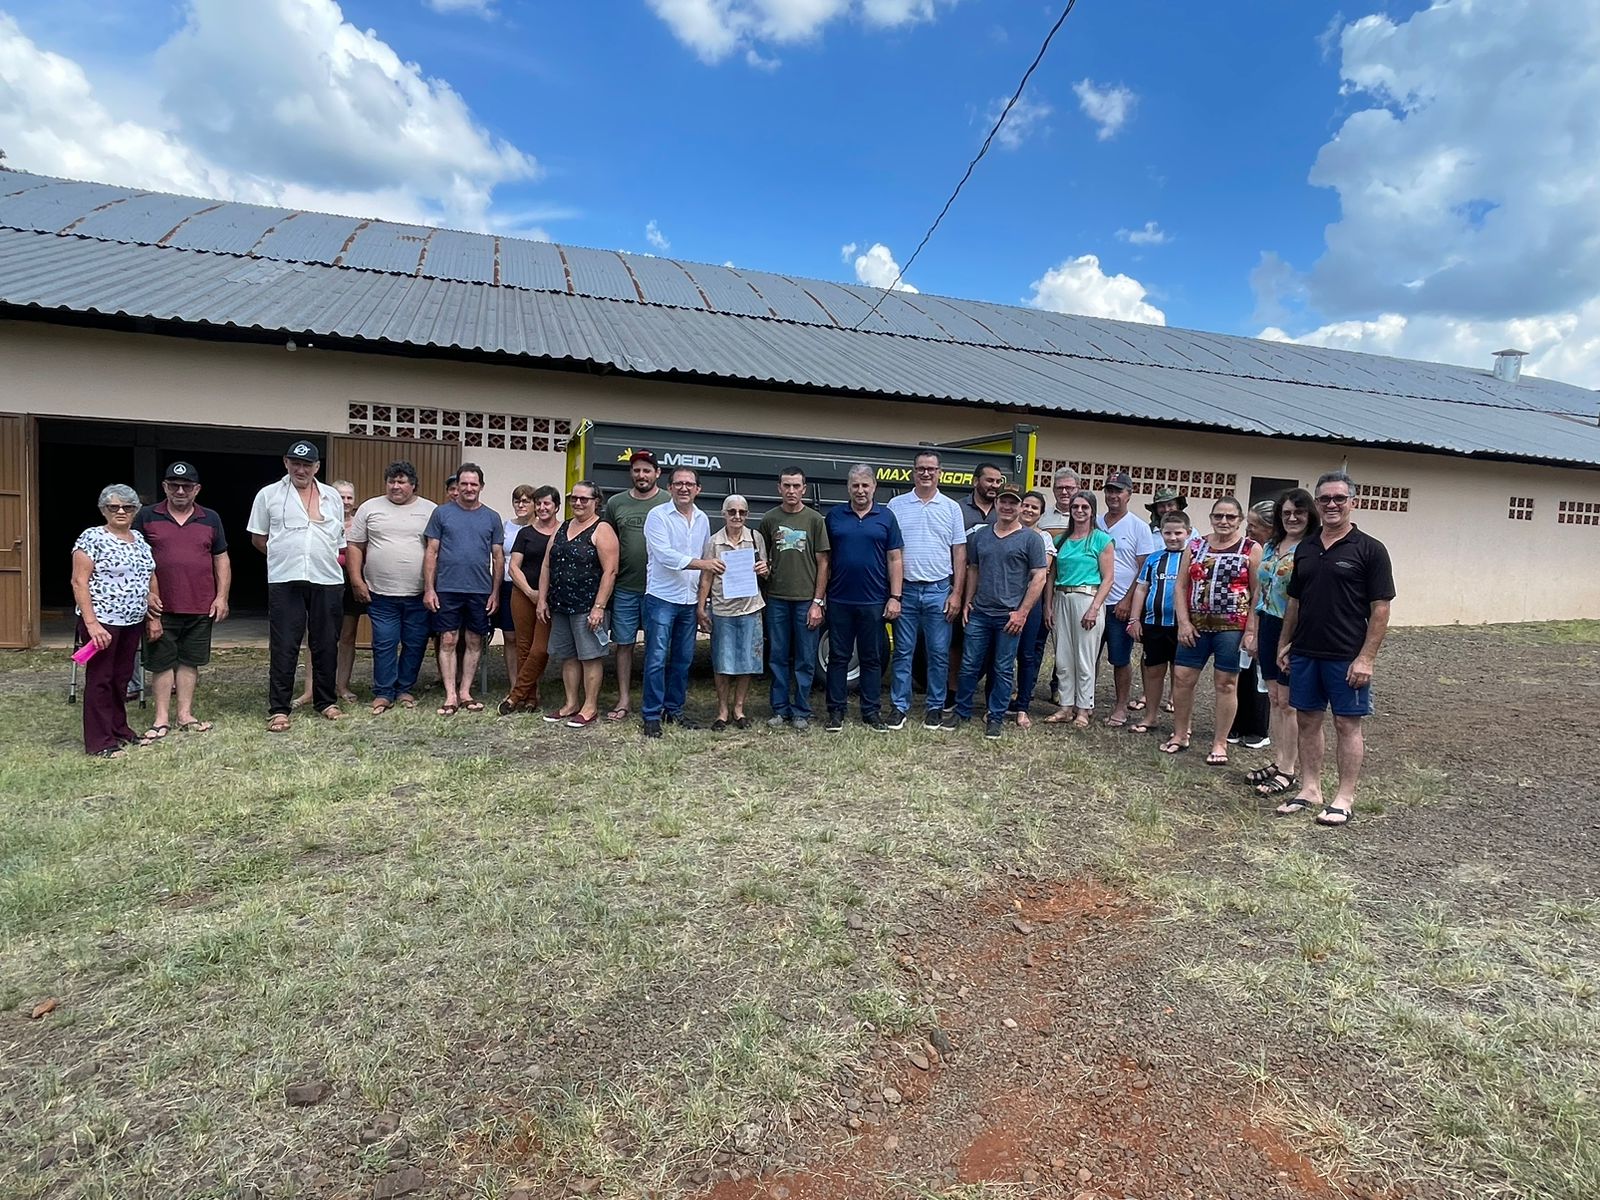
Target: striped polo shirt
[930,528]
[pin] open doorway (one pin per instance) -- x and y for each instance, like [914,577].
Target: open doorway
[1264,487]
[233,464]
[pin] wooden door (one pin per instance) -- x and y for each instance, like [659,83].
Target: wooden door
[19,534]
[363,460]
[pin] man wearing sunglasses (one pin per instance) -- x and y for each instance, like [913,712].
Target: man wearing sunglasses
[1338,613]
[194,574]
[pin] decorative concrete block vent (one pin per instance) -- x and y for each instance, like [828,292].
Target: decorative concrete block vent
[497,431]
[1577,512]
[1521,508]
[1384,498]
[1197,485]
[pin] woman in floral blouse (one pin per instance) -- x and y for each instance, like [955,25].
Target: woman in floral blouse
[114,584]
[1219,570]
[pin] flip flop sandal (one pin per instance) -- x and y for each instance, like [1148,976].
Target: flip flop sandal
[1262,774]
[379,707]
[1349,816]
[1141,727]
[1114,723]
[506,708]
[197,726]
[1169,707]
[617,714]
[154,734]
[445,710]
[407,702]
[111,752]
[1136,706]
[1278,784]
[1216,760]
[278,723]
[472,706]
[1290,808]
[332,713]
[1174,747]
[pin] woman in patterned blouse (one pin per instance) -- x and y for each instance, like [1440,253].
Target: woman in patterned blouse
[114,584]
[1212,610]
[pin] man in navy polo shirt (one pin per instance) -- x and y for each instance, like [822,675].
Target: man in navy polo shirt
[864,580]
[194,575]
[1338,614]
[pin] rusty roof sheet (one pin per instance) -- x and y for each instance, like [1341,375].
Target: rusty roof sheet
[95,248]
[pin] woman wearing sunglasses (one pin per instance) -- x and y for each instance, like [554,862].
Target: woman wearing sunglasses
[1220,574]
[114,584]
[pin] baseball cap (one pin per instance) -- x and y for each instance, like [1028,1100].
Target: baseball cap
[642,456]
[182,472]
[303,451]
[1009,489]
[1120,480]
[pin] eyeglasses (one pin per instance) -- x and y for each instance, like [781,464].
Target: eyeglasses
[1225,516]
[736,512]
[180,487]
[1336,501]
[927,470]
[580,499]
[122,508]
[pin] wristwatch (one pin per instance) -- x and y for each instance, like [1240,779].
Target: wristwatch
[819,601]
[896,599]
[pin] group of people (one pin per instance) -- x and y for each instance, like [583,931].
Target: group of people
[979,584]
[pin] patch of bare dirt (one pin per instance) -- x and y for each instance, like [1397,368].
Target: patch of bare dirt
[1057,1065]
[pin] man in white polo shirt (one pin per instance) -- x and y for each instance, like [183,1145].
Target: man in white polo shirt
[298,523]
[1132,543]
[675,537]
[935,564]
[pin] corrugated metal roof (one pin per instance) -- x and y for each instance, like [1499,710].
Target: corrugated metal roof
[94,248]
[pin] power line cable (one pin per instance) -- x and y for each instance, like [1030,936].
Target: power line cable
[982,150]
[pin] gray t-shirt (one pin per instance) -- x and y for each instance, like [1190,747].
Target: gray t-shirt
[466,538]
[1005,565]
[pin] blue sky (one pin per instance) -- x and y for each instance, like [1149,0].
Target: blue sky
[1337,174]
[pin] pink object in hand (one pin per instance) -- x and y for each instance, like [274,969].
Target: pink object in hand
[85,652]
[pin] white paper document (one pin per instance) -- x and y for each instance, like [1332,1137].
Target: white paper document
[739,580]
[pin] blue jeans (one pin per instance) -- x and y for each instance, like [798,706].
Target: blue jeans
[668,651]
[987,647]
[858,628]
[791,656]
[921,615]
[400,627]
[1030,656]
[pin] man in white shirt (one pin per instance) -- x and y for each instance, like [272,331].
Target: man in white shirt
[1132,543]
[298,523]
[934,558]
[1064,485]
[675,537]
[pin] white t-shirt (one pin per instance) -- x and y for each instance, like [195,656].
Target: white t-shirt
[1132,542]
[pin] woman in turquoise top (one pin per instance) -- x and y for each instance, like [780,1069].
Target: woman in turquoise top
[1083,580]
[1294,518]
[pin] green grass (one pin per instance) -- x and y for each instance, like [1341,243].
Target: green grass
[560,955]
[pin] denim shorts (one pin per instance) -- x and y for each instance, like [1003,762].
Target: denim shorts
[1268,631]
[462,610]
[502,616]
[627,616]
[1316,684]
[736,645]
[1118,641]
[1223,643]
[571,637]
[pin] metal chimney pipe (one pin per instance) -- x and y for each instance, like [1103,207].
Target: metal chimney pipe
[1508,364]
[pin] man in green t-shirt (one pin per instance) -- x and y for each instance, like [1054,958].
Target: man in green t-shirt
[797,586]
[626,514]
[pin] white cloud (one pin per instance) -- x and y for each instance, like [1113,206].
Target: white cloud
[1564,346]
[1025,116]
[278,102]
[847,252]
[1079,286]
[1108,107]
[1150,235]
[714,29]
[653,235]
[877,267]
[478,8]
[1468,189]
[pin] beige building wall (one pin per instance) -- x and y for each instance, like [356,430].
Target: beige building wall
[1458,556]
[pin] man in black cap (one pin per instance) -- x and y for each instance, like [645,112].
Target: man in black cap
[194,575]
[298,523]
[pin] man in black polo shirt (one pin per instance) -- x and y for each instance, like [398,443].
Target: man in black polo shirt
[1338,613]
[194,573]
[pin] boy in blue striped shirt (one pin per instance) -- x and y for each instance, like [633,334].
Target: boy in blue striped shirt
[1154,622]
